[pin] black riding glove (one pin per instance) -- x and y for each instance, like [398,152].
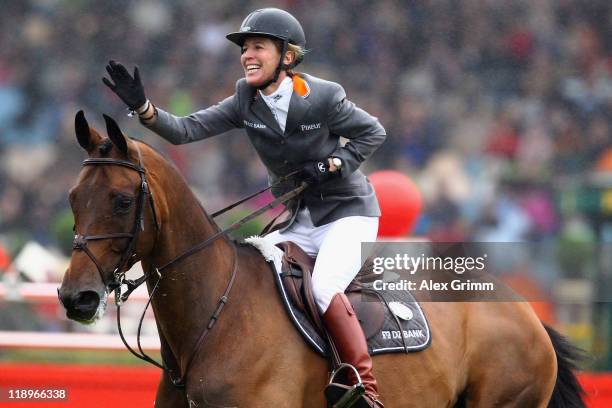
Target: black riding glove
[129,89]
[317,172]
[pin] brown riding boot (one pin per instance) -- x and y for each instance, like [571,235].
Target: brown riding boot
[342,324]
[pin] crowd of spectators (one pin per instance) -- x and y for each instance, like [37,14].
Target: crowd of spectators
[498,110]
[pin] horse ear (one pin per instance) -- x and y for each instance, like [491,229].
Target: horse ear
[81,128]
[115,135]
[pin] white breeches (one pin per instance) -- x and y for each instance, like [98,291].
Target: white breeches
[336,245]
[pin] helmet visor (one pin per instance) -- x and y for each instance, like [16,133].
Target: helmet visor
[239,37]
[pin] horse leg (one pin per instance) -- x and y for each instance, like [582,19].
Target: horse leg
[169,396]
[517,366]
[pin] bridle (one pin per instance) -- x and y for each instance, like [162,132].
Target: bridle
[129,257]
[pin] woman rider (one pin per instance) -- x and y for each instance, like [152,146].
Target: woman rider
[294,122]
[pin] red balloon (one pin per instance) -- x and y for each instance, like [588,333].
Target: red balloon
[400,202]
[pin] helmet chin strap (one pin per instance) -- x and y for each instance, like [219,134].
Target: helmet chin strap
[278,69]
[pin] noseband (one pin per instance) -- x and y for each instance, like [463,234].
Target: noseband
[128,257]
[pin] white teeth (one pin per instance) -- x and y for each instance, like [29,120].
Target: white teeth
[252,67]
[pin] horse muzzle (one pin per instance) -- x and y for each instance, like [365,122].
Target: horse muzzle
[84,306]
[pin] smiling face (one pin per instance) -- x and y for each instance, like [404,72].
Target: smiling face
[259,59]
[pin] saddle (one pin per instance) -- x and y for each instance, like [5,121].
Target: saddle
[392,321]
[296,276]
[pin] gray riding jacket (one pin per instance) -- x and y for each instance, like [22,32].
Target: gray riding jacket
[319,114]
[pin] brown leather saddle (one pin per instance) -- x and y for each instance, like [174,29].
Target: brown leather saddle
[296,277]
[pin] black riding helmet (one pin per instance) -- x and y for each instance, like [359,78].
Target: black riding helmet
[274,23]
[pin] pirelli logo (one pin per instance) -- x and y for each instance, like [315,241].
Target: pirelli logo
[312,126]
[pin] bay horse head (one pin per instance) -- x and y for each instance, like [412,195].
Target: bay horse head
[114,217]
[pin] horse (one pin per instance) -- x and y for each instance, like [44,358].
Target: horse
[130,204]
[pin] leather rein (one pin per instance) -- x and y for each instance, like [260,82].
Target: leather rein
[129,256]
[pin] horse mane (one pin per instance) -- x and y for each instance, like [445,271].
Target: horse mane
[173,166]
[156,150]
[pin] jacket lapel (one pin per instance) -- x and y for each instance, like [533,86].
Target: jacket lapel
[299,104]
[263,112]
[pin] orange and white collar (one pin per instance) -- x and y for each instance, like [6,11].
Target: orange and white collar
[300,86]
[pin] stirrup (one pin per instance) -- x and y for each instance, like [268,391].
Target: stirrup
[340,395]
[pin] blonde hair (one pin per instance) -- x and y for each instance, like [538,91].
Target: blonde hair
[298,52]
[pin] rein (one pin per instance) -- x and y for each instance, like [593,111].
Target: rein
[128,258]
[282,199]
[280,180]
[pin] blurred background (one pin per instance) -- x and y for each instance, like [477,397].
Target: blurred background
[500,112]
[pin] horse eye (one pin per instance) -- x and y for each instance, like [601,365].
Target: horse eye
[123,204]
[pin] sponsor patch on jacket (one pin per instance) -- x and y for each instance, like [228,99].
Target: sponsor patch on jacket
[312,126]
[254,125]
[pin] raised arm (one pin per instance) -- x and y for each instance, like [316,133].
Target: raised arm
[177,130]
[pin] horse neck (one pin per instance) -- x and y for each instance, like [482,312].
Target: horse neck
[189,293]
[189,290]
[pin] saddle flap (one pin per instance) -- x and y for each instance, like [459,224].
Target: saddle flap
[297,267]
[295,263]
[294,255]
[369,310]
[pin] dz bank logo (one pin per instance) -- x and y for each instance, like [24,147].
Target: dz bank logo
[321,167]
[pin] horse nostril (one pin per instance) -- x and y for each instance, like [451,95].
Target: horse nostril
[87,301]
[64,299]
